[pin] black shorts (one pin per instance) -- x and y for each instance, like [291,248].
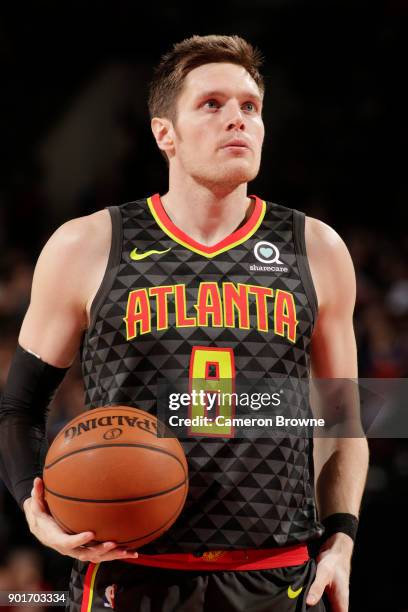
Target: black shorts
[127,587]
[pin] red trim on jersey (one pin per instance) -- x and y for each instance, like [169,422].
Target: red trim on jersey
[250,559]
[234,237]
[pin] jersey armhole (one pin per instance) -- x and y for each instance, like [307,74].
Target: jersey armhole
[303,262]
[112,266]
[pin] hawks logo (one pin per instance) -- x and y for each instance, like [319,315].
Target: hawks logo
[213,555]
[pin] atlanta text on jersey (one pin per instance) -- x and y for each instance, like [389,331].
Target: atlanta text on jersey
[228,305]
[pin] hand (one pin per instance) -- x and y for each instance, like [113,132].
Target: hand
[49,533]
[333,573]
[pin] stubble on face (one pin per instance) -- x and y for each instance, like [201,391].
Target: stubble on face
[199,132]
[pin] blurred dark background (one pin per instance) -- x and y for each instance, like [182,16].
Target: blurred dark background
[75,137]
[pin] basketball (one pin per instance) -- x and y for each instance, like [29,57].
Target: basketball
[108,472]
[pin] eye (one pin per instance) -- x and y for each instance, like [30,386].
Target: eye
[250,106]
[212,103]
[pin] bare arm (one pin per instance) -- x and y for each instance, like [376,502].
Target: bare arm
[68,272]
[341,463]
[66,278]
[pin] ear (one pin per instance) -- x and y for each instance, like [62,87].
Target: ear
[163,132]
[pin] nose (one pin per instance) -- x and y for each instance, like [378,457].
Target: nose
[235,118]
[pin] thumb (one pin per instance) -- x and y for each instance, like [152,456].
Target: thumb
[38,493]
[318,586]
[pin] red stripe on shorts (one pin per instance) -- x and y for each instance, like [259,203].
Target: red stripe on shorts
[87,587]
[263,558]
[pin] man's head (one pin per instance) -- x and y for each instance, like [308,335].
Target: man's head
[207,93]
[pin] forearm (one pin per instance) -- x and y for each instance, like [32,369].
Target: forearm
[341,474]
[23,448]
[29,389]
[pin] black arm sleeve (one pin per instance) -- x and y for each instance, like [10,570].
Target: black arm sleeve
[30,387]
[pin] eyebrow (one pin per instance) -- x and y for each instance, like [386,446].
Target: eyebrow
[216,92]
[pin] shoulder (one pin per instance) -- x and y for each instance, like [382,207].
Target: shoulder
[79,240]
[322,239]
[74,254]
[82,232]
[330,261]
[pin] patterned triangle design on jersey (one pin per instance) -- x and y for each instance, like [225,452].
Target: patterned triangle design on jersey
[239,465]
[113,366]
[220,522]
[210,466]
[295,485]
[242,494]
[229,479]
[218,507]
[197,450]
[126,281]
[113,311]
[263,480]
[236,508]
[275,512]
[205,524]
[233,524]
[261,497]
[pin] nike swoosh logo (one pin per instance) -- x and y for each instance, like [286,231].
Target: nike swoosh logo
[293,594]
[138,256]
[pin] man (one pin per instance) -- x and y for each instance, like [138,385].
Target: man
[203,275]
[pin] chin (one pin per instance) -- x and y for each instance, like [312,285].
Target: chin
[236,170]
[239,175]
[232,174]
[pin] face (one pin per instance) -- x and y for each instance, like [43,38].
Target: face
[218,133]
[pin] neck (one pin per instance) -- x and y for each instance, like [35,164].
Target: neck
[208,214]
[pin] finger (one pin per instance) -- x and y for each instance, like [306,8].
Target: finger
[37,494]
[38,486]
[339,602]
[110,548]
[342,606]
[70,542]
[115,555]
[101,549]
[33,490]
[83,554]
[318,586]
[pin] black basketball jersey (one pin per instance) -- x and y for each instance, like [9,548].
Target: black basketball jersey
[242,308]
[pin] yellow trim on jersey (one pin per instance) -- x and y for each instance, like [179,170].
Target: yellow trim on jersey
[190,247]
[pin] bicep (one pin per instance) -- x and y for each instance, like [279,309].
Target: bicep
[55,320]
[54,335]
[333,345]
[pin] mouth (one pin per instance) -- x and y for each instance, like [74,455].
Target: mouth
[236,145]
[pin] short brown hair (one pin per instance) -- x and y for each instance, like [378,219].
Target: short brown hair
[190,53]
